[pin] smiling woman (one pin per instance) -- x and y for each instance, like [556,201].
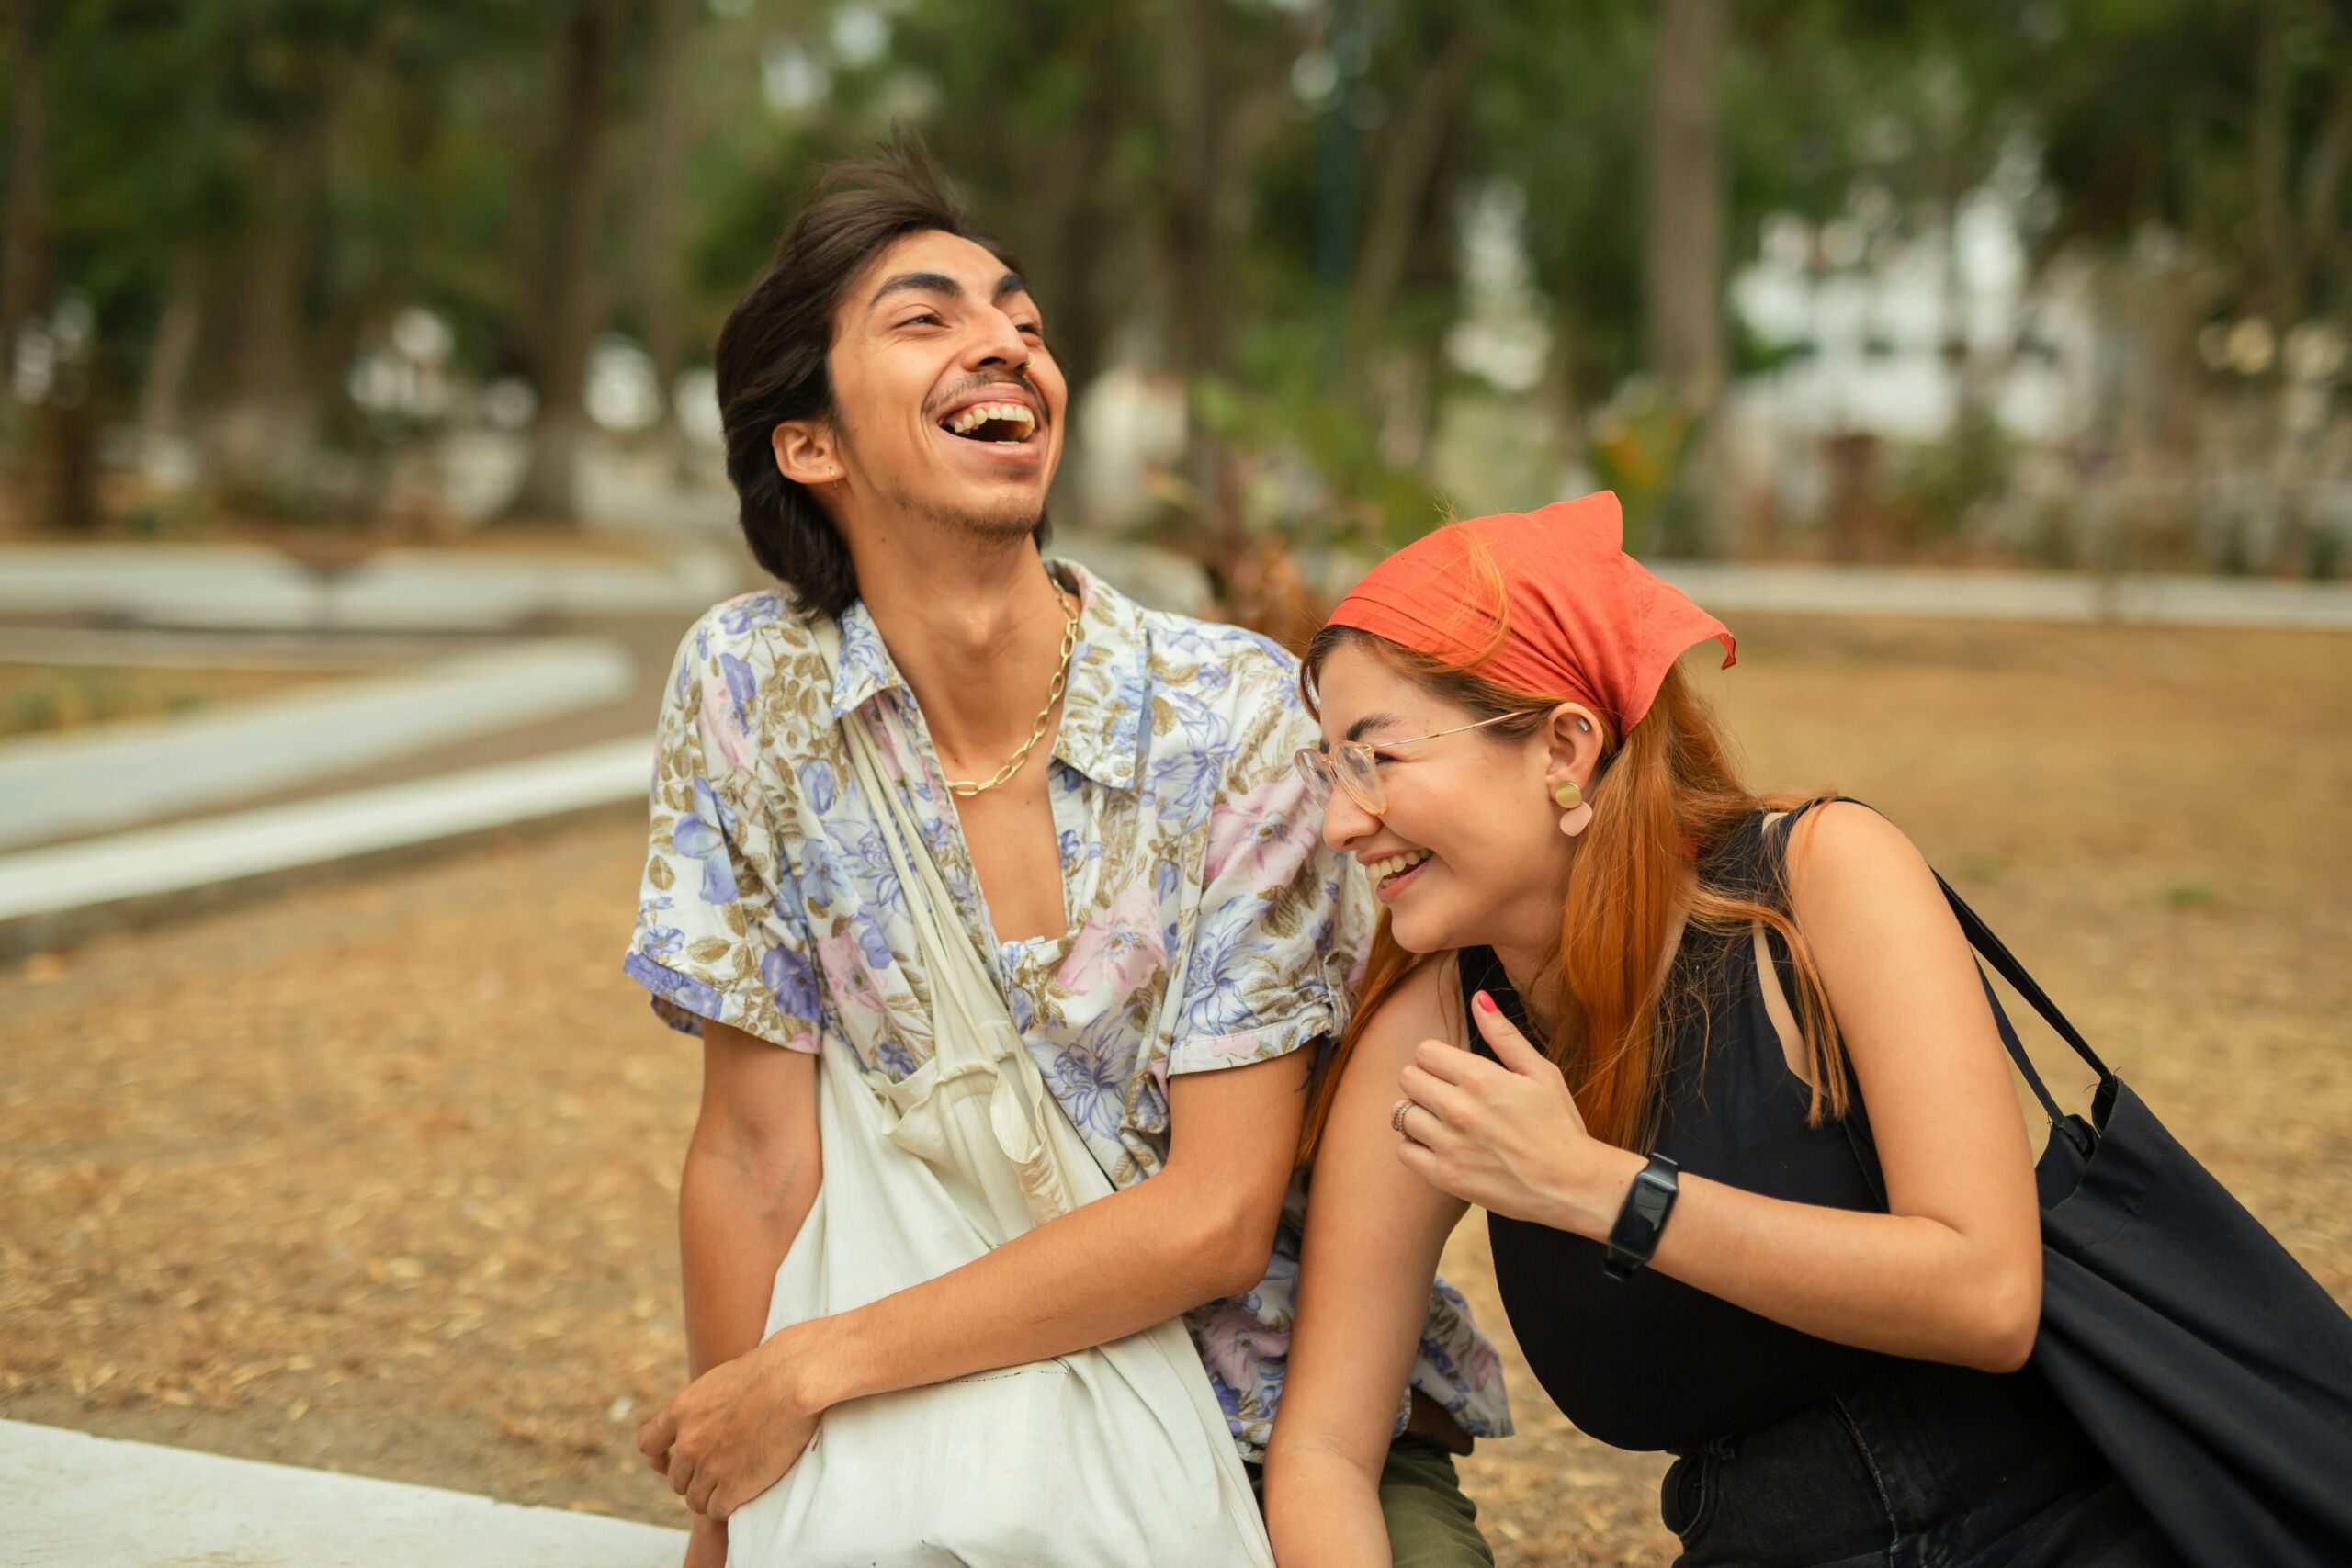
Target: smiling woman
[1634,1013]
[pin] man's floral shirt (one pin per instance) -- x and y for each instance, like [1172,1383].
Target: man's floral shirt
[1209,926]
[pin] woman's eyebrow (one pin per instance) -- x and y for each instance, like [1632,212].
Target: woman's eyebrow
[1372,721]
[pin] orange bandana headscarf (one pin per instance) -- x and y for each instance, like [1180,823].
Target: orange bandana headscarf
[1585,619]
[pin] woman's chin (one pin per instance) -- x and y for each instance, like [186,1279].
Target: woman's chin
[1416,933]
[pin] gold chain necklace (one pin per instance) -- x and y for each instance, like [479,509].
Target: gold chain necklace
[964,789]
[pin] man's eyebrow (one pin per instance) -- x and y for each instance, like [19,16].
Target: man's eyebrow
[1372,721]
[1011,283]
[920,283]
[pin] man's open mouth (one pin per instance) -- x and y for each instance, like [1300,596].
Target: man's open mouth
[1006,425]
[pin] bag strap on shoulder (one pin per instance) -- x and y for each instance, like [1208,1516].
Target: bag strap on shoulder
[961,974]
[2004,964]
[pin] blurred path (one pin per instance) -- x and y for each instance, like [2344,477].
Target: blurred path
[251,587]
[118,775]
[228,848]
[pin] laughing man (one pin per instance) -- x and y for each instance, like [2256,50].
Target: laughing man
[1136,853]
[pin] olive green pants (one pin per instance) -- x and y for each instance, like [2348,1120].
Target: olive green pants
[1432,1521]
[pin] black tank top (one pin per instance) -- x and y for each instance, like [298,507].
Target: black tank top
[1649,1362]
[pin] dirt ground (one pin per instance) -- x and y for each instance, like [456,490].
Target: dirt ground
[379,1175]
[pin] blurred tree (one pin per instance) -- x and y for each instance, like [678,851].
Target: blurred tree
[1682,302]
[24,220]
[655,200]
[567,308]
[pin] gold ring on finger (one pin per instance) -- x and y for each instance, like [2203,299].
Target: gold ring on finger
[1396,1117]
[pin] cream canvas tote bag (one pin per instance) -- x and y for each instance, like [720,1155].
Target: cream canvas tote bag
[1115,1455]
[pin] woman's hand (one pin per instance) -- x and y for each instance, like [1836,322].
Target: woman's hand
[1508,1138]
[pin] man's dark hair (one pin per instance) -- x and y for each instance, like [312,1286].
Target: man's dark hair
[771,358]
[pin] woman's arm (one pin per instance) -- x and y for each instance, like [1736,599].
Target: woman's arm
[1373,1233]
[1953,1273]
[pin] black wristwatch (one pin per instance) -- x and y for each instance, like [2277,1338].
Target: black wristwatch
[1634,1238]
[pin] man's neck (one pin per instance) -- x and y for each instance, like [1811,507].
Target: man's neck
[977,633]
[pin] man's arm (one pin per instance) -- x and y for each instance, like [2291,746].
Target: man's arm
[1202,1228]
[753,1169]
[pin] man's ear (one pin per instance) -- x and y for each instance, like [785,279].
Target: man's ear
[1573,735]
[806,452]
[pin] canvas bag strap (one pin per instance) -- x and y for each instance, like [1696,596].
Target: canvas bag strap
[958,972]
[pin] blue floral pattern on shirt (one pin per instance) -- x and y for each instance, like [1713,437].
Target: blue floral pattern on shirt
[1210,926]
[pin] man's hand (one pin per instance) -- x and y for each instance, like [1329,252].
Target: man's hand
[732,1434]
[705,1543]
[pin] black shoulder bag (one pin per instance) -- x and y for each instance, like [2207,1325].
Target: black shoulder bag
[2207,1364]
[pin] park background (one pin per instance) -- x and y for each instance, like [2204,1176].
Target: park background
[1983,364]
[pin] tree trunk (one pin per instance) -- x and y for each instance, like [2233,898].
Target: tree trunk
[1080,221]
[1684,301]
[2273,131]
[1402,188]
[1685,336]
[657,204]
[568,281]
[163,390]
[263,439]
[24,284]
[1196,342]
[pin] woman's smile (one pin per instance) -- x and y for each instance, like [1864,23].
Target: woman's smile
[1391,874]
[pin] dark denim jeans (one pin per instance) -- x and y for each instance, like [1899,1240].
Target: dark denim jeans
[1921,1467]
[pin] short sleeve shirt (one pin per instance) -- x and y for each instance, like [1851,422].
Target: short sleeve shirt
[1209,927]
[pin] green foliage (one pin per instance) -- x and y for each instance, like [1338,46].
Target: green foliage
[409,150]
[1941,484]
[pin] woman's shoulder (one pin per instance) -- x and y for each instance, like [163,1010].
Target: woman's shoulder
[1425,1005]
[1844,860]
[1836,841]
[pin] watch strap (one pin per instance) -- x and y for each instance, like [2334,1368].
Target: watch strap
[1632,1240]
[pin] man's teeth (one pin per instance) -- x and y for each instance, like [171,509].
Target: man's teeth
[978,414]
[1382,870]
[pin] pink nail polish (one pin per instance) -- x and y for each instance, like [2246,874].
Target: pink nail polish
[1487,1002]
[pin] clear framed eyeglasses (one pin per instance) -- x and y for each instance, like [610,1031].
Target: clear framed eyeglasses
[1351,765]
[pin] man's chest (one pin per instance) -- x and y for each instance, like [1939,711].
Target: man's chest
[1073,893]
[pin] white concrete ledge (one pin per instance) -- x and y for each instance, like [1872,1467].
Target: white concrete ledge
[249,585]
[53,786]
[67,1498]
[183,855]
